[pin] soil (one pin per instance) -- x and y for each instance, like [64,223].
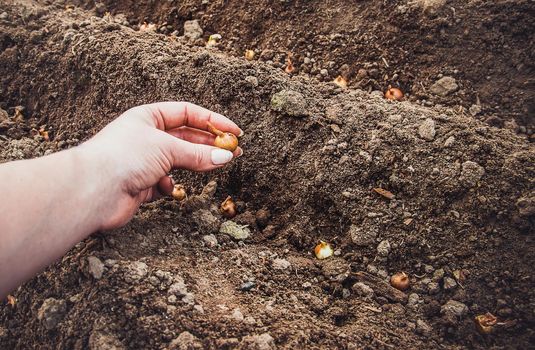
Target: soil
[460,222]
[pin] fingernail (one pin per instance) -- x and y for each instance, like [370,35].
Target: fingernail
[240,154]
[221,156]
[241,133]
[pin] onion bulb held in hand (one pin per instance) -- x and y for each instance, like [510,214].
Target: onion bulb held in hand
[225,140]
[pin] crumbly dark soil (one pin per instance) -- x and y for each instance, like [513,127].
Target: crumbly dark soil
[487,46]
[315,172]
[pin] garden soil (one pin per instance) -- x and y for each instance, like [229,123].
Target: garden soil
[457,215]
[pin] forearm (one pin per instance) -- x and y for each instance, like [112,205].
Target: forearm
[47,205]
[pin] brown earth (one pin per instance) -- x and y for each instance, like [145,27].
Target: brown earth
[488,46]
[460,224]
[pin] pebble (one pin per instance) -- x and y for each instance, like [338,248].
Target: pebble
[383,249]
[444,86]
[413,301]
[423,328]
[185,341]
[362,236]
[206,221]
[262,342]
[104,341]
[433,288]
[291,103]
[52,312]
[449,141]
[471,173]
[192,30]
[247,286]
[136,271]
[449,283]
[4,15]
[474,110]
[253,81]
[454,308]
[281,264]
[96,267]
[234,230]
[189,298]
[363,290]
[178,289]
[427,130]
[210,240]
[237,315]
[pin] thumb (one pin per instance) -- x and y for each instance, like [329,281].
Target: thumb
[197,157]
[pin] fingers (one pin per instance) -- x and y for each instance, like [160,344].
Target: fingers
[165,186]
[198,136]
[171,115]
[198,157]
[193,135]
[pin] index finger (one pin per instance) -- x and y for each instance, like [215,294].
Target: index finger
[170,115]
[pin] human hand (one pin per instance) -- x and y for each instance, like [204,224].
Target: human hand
[135,152]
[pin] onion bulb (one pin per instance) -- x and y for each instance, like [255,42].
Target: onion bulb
[225,140]
[400,281]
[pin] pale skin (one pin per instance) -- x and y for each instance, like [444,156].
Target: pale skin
[51,203]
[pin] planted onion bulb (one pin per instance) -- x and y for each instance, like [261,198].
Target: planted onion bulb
[228,208]
[400,281]
[323,250]
[485,323]
[393,94]
[225,140]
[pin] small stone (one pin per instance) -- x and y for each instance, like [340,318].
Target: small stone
[281,264]
[449,283]
[427,130]
[438,275]
[234,230]
[103,341]
[454,309]
[433,288]
[192,30]
[253,81]
[96,267]
[171,299]
[206,221]
[363,290]
[189,299]
[431,7]
[52,312]
[423,328]
[449,141]
[136,271]
[210,240]
[324,72]
[237,315]
[260,342]
[185,341]
[444,86]
[198,309]
[471,173]
[474,110]
[3,15]
[247,286]
[291,103]
[413,301]
[362,236]
[306,285]
[178,288]
[383,249]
